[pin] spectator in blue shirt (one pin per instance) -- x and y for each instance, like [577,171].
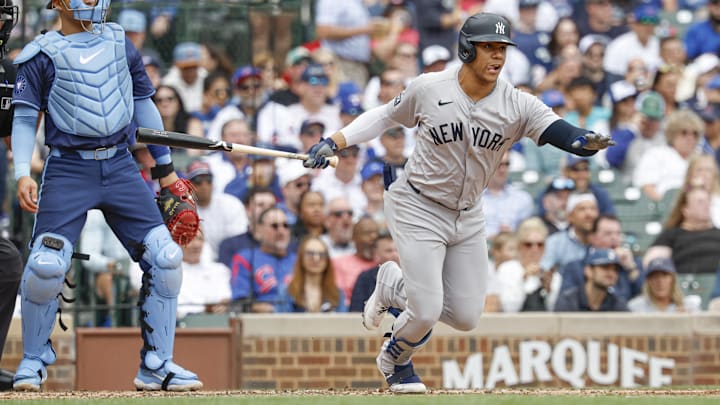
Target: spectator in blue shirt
[704,36]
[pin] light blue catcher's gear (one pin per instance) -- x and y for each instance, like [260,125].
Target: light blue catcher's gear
[162,277]
[41,284]
[92,94]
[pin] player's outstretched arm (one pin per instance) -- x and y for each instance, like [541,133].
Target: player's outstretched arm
[570,138]
[23,143]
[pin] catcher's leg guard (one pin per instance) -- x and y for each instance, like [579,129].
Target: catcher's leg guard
[41,283]
[162,276]
[397,368]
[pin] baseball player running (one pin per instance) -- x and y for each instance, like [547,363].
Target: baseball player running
[91,84]
[467,119]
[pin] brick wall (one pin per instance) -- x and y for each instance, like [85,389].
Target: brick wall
[320,351]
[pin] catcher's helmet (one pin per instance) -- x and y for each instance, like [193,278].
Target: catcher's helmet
[483,27]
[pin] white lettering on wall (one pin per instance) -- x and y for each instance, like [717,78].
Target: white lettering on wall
[570,362]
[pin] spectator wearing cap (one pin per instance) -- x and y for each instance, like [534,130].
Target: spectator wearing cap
[711,140]
[592,49]
[662,168]
[311,130]
[531,41]
[296,61]
[607,234]
[571,244]
[553,204]
[222,215]
[599,19]
[712,90]
[548,11]
[153,68]
[435,58]
[279,125]
[226,165]
[294,181]
[622,96]
[393,146]
[350,107]
[578,169]
[634,141]
[504,204]
[345,27]
[260,173]
[247,96]
[586,113]
[134,23]
[345,180]
[661,291]
[640,41]
[704,36]
[373,188]
[601,273]
[555,100]
[187,74]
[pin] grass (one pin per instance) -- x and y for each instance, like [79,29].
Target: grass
[539,397]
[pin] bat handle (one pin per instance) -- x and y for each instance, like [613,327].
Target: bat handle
[333,161]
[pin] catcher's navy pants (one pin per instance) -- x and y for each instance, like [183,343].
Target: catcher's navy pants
[72,185]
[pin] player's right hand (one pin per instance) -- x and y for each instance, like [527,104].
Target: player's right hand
[319,154]
[27,189]
[593,141]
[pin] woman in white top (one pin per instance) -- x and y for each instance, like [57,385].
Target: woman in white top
[521,277]
[663,167]
[703,172]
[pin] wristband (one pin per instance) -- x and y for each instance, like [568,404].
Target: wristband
[160,171]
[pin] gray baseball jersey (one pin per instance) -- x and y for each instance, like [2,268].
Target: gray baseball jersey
[459,142]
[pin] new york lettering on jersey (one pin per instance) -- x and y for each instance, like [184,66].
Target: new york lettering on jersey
[479,136]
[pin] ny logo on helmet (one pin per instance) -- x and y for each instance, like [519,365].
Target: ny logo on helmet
[500,28]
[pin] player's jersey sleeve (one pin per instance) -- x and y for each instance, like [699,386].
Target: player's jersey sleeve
[404,107]
[537,116]
[142,86]
[32,84]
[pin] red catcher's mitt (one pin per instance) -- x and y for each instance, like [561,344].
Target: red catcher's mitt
[179,212]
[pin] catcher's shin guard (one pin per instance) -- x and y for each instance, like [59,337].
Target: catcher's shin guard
[162,277]
[41,284]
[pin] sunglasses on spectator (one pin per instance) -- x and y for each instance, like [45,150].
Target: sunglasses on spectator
[562,183]
[277,225]
[246,87]
[163,99]
[529,244]
[318,254]
[200,179]
[340,213]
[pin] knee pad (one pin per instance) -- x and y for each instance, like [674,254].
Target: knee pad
[47,264]
[165,259]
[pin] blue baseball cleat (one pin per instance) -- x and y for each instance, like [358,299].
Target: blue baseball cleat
[168,377]
[405,381]
[30,375]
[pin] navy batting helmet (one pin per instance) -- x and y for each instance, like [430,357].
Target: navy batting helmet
[483,27]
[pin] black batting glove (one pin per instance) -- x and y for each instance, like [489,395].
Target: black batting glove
[319,153]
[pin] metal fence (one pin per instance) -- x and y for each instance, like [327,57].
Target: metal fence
[241,29]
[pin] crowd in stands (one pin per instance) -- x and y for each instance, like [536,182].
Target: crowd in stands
[277,237]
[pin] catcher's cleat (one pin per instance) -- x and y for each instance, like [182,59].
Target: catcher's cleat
[389,275]
[169,377]
[30,375]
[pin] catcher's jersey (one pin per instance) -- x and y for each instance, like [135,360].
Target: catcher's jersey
[459,142]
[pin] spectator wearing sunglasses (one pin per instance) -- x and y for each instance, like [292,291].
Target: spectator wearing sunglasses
[504,204]
[571,244]
[222,215]
[260,275]
[248,94]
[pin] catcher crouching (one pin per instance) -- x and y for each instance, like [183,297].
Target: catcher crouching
[90,83]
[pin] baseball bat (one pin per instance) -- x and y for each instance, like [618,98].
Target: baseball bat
[180,140]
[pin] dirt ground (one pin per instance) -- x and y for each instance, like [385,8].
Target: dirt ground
[536,392]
